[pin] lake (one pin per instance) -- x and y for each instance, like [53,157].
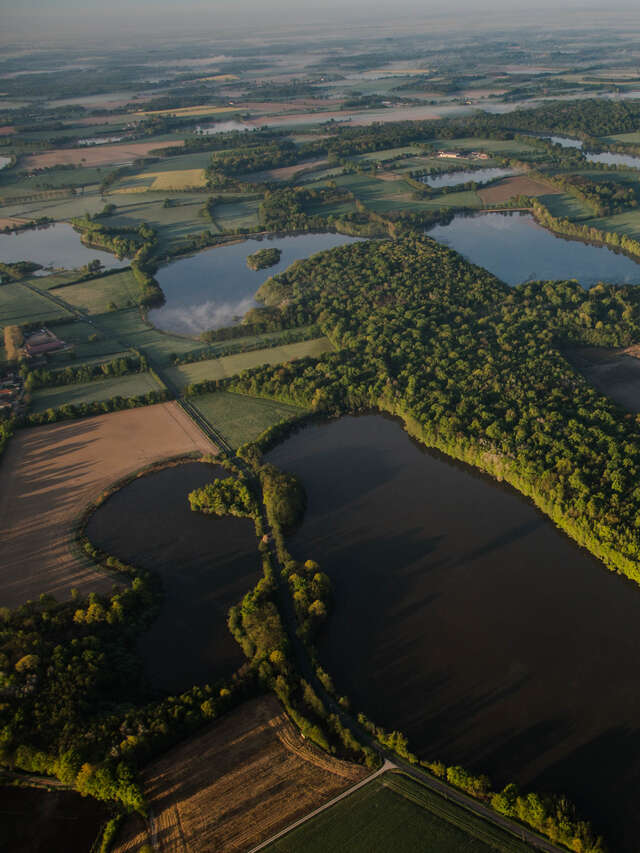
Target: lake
[516,249]
[215,288]
[608,157]
[480,176]
[4,161]
[206,564]
[54,246]
[464,618]
[33,820]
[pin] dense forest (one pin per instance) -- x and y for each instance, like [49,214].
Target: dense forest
[475,369]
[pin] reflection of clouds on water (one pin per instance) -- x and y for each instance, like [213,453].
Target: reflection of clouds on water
[208,315]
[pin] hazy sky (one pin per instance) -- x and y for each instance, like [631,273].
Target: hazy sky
[21,17]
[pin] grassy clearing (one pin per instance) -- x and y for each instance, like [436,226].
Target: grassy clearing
[625,138]
[564,204]
[129,328]
[107,293]
[90,392]
[88,344]
[220,368]
[396,813]
[240,418]
[173,223]
[491,146]
[389,153]
[189,111]
[237,214]
[382,196]
[20,305]
[57,208]
[627,222]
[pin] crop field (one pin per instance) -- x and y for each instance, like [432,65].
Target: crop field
[106,293]
[241,418]
[237,784]
[178,179]
[394,812]
[632,138]
[96,155]
[285,173]
[204,110]
[510,187]
[129,327]
[220,368]
[89,392]
[20,305]
[388,153]
[50,473]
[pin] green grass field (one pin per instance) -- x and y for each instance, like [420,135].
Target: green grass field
[58,209]
[20,305]
[627,222]
[220,368]
[395,813]
[106,293]
[88,344]
[381,196]
[389,153]
[237,214]
[491,146]
[173,223]
[240,418]
[564,204]
[89,392]
[128,327]
[632,138]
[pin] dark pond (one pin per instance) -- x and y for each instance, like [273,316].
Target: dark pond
[38,821]
[464,618]
[56,246]
[480,176]
[515,248]
[206,564]
[216,287]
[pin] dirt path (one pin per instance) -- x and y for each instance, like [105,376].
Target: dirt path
[50,473]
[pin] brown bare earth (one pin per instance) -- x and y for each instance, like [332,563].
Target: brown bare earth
[10,221]
[94,155]
[48,476]
[510,187]
[249,776]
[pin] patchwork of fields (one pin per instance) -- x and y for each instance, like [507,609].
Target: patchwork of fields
[243,780]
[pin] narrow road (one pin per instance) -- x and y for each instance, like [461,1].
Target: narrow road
[388,765]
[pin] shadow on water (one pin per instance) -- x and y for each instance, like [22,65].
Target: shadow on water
[206,563]
[464,618]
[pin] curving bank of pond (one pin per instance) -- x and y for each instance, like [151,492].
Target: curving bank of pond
[206,564]
[55,246]
[516,249]
[464,618]
[215,288]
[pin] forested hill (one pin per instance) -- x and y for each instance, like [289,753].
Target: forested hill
[474,368]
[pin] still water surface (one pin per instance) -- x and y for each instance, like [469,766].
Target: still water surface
[215,288]
[516,249]
[56,246]
[464,618]
[480,176]
[206,564]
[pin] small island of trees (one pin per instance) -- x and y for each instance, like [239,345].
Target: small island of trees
[263,258]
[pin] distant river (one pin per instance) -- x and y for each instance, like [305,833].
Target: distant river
[516,249]
[215,288]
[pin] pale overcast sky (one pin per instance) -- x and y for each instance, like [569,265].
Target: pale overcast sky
[69,16]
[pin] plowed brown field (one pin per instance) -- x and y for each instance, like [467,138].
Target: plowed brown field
[239,783]
[510,187]
[50,473]
[94,155]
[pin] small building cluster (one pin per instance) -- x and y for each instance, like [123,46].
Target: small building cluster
[11,389]
[459,155]
[42,342]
